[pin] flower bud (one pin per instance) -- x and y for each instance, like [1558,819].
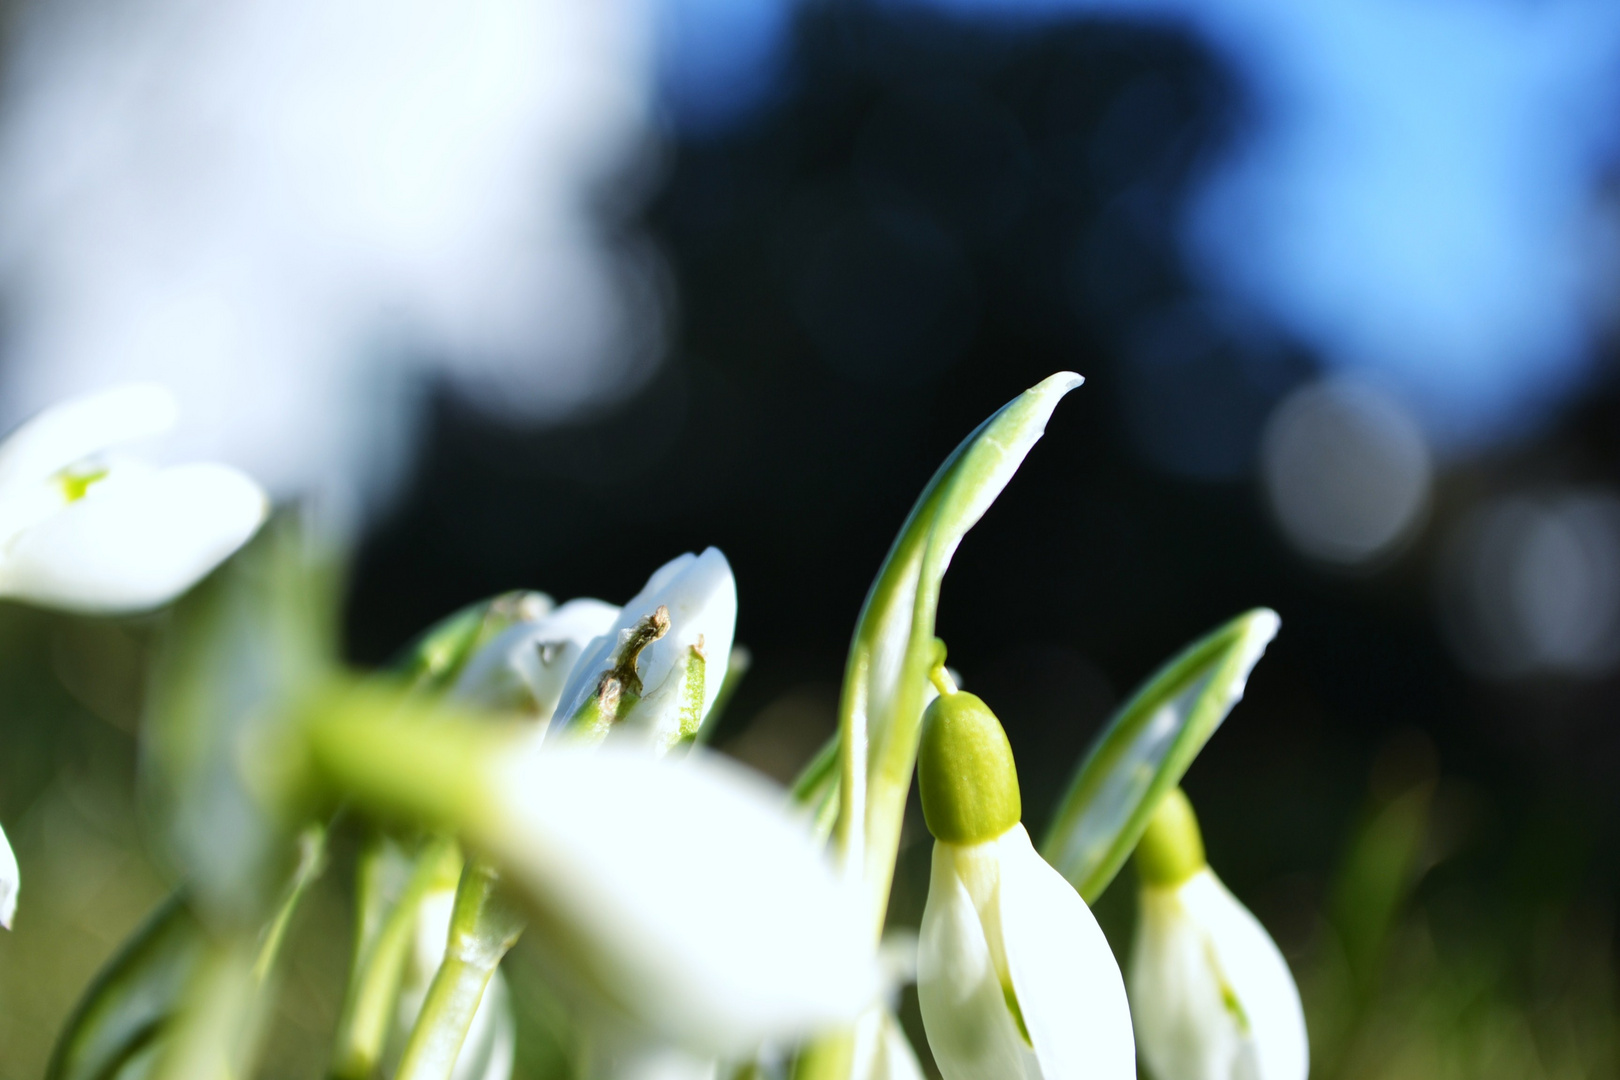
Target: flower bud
[1212,996]
[1014,977]
[965,771]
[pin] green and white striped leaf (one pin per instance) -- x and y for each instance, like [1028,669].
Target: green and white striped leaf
[1146,749]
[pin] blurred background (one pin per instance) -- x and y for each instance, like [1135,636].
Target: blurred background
[527,293]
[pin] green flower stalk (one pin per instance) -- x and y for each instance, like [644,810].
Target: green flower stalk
[886,677]
[1212,995]
[1014,976]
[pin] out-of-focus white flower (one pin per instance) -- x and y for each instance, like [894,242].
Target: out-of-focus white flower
[88,530]
[657,672]
[10,881]
[296,213]
[1014,976]
[490,1047]
[527,665]
[685,892]
[1213,997]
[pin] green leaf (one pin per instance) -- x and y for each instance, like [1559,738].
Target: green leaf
[815,790]
[1146,749]
[119,1020]
[894,644]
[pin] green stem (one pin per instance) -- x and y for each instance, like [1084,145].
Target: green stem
[216,1030]
[311,861]
[386,923]
[483,927]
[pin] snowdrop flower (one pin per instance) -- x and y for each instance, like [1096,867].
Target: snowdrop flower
[526,666]
[1014,976]
[1212,996]
[88,531]
[10,879]
[705,908]
[659,669]
[681,895]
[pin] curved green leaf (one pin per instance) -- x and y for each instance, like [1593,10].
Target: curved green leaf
[121,1016]
[894,645]
[1146,749]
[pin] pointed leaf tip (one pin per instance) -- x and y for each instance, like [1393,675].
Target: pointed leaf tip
[1146,749]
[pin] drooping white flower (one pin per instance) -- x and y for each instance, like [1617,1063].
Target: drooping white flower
[85,529]
[702,907]
[1014,976]
[680,893]
[658,670]
[10,880]
[1213,997]
[526,666]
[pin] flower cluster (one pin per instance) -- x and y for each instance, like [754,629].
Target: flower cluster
[529,785]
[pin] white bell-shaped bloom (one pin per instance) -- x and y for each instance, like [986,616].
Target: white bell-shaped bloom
[10,880]
[525,667]
[658,670]
[85,530]
[1213,997]
[684,892]
[1014,976]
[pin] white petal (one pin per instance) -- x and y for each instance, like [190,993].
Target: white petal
[971,1031]
[1197,945]
[701,595]
[134,545]
[526,666]
[10,881]
[686,892]
[1065,975]
[74,430]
